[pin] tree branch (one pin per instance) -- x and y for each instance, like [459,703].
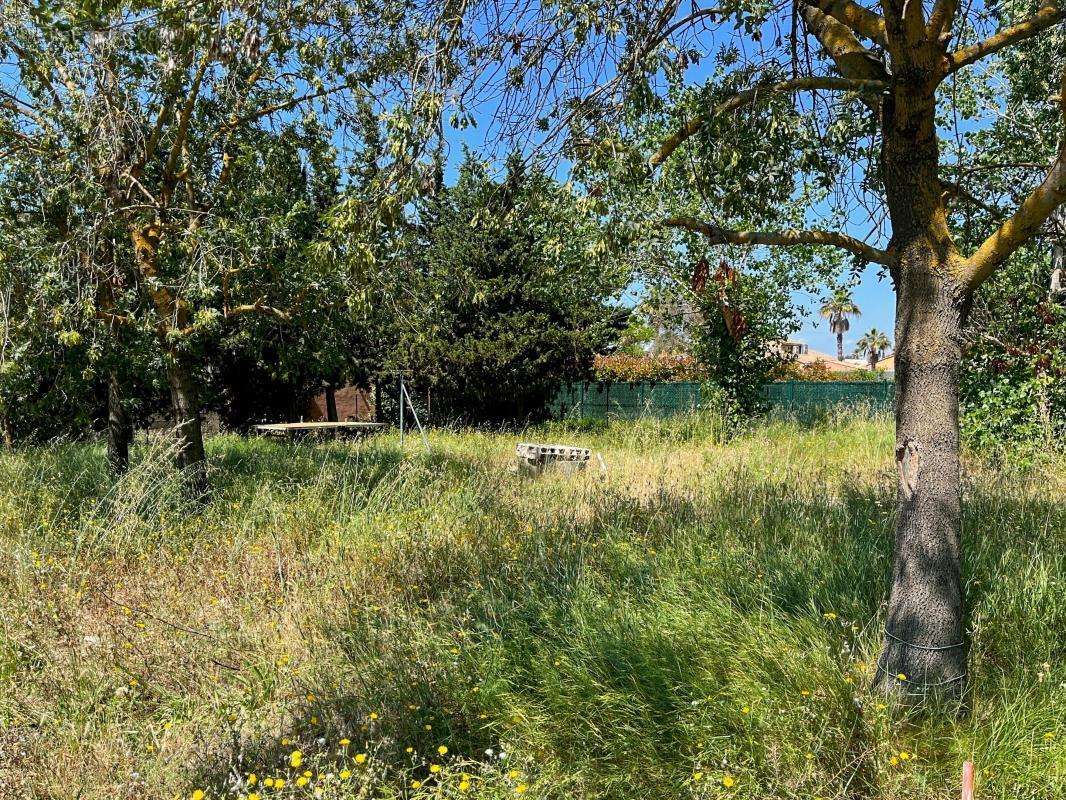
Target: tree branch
[852,59]
[258,307]
[1028,219]
[783,238]
[1052,12]
[860,20]
[741,99]
[940,20]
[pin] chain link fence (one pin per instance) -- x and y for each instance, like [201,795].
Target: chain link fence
[592,400]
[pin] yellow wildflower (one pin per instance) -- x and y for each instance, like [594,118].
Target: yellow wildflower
[345,774]
[697,776]
[464,785]
[303,780]
[434,768]
[361,758]
[373,715]
[252,796]
[520,788]
[442,750]
[197,795]
[513,774]
[345,742]
[252,779]
[728,781]
[901,676]
[415,784]
[296,758]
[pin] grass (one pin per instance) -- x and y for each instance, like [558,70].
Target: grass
[699,620]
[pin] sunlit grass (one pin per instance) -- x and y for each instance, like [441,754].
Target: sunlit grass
[697,617]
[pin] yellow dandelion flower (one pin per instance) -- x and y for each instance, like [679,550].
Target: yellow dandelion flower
[409,749]
[373,715]
[415,784]
[252,779]
[197,795]
[1049,735]
[303,780]
[307,773]
[434,768]
[520,788]
[296,758]
[269,783]
[428,727]
[805,692]
[279,783]
[345,774]
[513,774]
[314,720]
[901,676]
[697,776]
[745,710]
[252,796]
[728,781]
[829,615]
[893,761]
[464,785]
[442,750]
[361,758]
[904,755]
[345,742]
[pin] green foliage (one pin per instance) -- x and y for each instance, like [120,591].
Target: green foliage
[1014,371]
[741,323]
[513,294]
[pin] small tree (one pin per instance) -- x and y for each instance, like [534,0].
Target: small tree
[873,345]
[837,309]
[513,295]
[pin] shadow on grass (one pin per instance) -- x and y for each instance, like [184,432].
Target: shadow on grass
[617,652]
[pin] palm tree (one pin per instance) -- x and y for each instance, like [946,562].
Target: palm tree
[873,345]
[837,309]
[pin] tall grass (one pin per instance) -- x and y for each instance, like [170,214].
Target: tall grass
[698,618]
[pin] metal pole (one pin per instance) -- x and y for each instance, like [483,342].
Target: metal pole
[414,414]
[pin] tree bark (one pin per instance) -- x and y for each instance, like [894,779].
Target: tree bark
[925,648]
[185,405]
[331,403]
[119,428]
[840,346]
[925,630]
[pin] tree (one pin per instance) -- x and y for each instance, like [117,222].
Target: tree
[831,90]
[140,115]
[513,296]
[873,345]
[837,309]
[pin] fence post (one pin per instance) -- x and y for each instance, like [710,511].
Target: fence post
[967,780]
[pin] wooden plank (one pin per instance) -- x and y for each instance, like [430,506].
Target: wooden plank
[296,427]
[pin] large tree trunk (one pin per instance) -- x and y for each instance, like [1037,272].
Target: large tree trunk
[925,629]
[924,649]
[119,428]
[185,405]
[840,347]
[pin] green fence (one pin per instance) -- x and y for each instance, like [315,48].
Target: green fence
[631,400]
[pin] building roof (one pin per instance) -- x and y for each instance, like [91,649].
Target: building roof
[831,362]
